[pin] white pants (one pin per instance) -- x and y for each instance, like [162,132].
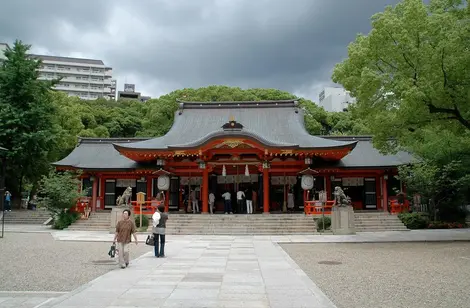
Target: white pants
[211,207]
[123,253]
[249,206]
[195,206]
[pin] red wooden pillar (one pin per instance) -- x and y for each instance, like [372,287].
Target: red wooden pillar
[385,194]
[328,187]
[102,191]
[94,194]
[265,191]
[205,191]
[167,200]
[149,188]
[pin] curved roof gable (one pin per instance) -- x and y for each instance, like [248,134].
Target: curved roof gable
[272,123]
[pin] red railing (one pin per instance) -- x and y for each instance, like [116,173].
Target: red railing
[148,207]
[82,207]
[397,208]
[315,207]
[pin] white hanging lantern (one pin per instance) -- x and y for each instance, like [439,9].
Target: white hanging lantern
[247,172]
[163,182]
[224,172]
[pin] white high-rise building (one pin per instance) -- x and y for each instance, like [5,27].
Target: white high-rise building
[85,78]
[335,99]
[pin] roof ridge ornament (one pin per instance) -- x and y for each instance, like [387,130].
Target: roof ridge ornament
[232,124]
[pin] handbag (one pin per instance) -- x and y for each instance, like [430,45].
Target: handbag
[150,240]
[112,251]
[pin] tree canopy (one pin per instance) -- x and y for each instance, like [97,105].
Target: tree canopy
[27,112]
[412,71]
[40,125]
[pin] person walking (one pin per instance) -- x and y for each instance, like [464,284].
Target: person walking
[7,201]
[125,228]
[155,220]
[159,232]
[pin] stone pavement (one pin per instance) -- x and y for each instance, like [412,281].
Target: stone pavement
[218,271]
[360,237]
[23,299]
[210,272]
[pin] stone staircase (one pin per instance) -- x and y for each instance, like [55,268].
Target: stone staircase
[97,221]
[240,224]
[377,221]
[37,217]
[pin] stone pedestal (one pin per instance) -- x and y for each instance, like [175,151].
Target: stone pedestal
[116,215]
[342,220]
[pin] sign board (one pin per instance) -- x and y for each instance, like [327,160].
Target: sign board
[129,87]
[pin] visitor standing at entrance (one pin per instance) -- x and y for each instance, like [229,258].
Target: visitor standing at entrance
[194,201]
[290,201]
[227,202]
[211,202]
[249,201]
[124,229]
[7,201]
[159,232]
[240,197]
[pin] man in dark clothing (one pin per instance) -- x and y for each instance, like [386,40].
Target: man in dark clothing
[159,232]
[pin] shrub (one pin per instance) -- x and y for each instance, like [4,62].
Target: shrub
[414,220]
[445,225]
[60,192]
[326,220]
[145,221]
[65,219]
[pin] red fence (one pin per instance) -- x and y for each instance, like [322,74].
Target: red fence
[315,207]
[397,208]
[148,207]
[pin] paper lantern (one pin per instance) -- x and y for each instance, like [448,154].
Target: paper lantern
[307,181]
[163,182]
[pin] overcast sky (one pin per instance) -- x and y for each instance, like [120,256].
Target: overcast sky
[163,45]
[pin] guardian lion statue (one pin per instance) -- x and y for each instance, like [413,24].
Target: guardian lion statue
[341,200]
[125,199]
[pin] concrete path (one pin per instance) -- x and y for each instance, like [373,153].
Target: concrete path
[23,299]
[360,237]
[213,272]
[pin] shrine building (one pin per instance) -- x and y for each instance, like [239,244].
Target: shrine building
[228,146]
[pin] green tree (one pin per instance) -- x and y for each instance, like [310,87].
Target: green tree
[442,187]
[412,71]
[26,117]
[59,191]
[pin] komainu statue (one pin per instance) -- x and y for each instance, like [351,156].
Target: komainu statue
[125,199]
[341,200]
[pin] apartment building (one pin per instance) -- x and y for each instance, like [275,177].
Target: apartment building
[86,78]
[335,99]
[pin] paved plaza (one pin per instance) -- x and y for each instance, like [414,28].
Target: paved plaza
[225,271]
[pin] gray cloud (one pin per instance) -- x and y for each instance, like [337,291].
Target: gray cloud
[168,44]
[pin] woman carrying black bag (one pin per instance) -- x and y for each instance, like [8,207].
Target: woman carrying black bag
[158,231]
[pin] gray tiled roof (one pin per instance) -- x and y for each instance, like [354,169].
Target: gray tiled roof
[365,155]
[274,123]
[96,153]
[68,59]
